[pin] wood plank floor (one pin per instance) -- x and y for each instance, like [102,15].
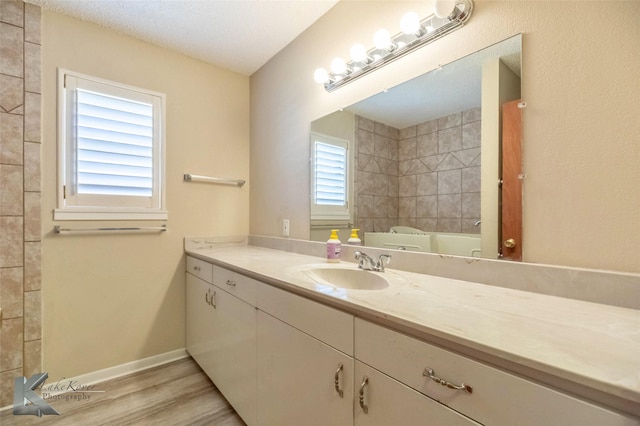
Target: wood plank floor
[178,393]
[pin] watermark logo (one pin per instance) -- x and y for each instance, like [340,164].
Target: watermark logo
[26,401]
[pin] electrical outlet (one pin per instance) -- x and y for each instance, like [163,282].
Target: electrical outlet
[285,227]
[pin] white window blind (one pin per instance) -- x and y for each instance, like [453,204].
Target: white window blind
[115,145]
[330,173]
[329,178]
[111,163]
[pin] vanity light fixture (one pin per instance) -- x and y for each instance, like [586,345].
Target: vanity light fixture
[448,16]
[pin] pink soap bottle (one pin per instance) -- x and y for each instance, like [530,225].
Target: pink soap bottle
[333,247]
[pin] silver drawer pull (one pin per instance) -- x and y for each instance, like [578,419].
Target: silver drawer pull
[231,283]
[365,382]
[196,268]
[336,380]
[428,372]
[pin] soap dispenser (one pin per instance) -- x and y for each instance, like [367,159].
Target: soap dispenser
[333,247]
[354,240]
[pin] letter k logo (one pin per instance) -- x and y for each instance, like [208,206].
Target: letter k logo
[23,392]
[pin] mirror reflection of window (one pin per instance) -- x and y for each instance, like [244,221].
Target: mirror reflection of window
[329,180]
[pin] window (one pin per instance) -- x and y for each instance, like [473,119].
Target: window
[329,178]
[111,150]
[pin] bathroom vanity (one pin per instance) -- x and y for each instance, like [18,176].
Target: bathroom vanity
[285,347]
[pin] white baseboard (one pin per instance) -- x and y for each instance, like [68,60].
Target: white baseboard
[124,369]
[130,367]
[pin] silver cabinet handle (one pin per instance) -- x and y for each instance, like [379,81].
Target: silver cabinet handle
[365,382]
[210,298]
[231,283]
[336,381]
[428,372]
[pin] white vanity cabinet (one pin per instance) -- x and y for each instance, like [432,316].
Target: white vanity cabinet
[305,367]
[485,394]
[221,332]
[282,359]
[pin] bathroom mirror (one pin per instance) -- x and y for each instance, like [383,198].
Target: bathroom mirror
[422,158]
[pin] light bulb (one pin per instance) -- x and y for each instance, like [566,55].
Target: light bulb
[443,8]
[410,23]
[321,75]
[382,40]
[338,66]
[358,53]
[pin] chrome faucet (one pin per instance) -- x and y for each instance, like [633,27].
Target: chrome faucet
[367,263]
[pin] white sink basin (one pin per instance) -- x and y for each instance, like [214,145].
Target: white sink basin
[343,277]
[354,279]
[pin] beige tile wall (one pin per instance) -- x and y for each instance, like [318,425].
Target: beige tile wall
[20,231]
[425,176]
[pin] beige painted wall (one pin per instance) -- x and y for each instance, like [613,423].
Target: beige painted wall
[111,299]
[580,129]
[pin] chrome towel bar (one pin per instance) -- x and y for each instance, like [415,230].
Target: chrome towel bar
[58,229]
[196,178]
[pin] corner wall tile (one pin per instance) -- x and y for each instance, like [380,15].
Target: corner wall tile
[32,266]
[11,297]
[11,192]
[471,115]
[32,63]
[12,338]
[450,182]
[12,12]
[11,148]
[32,315]
[450,206]
[11,92]
[11,50]
[471,205]
[32,357]
[32,118]
[449,225]
[11,251]
[448,121]
[32,167]
[32,218]
[32,23]
[7,380]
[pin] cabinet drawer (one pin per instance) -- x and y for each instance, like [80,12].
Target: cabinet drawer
[497,397]
[326,324]
[239,285]
[200,268]
[389,402]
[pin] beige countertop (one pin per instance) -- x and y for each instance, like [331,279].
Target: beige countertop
[587,348]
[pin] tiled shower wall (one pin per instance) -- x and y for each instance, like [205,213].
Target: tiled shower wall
[426,176]
[20,230]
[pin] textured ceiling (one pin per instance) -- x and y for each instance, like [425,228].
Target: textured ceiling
[239,35]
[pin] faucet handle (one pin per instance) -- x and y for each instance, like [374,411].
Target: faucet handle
[380,264]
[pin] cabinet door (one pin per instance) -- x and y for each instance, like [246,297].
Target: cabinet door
[199,322]
[234,353]
[297,378]
[221,337]
[389,402]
